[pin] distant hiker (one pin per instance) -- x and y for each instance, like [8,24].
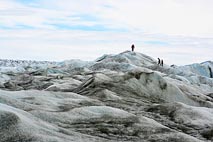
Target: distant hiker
[158,61]
[161,63]
[133,47]
[173,66]
[210,72]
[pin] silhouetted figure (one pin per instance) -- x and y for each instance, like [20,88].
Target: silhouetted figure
[158,61]
[210,72]
[133,47]
[173,66]
[161,63]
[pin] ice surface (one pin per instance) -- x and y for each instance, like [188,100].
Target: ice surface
[123,97]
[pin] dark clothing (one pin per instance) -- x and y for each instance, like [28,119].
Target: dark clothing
[133,47]
[210,72]
[158,61]
[161,63]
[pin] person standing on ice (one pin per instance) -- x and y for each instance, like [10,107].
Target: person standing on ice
[158,61]
[161,63]
[133,47]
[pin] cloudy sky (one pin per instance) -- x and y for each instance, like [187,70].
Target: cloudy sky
[179,31]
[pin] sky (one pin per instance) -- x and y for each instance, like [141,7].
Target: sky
[178,31]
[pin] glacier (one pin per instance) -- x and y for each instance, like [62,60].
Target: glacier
[115,98]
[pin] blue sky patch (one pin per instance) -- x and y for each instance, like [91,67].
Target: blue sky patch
[27,1]
[17,27]
[22,26]
[3,27]
[85,17]
[108,6]
[85,27]
[32,3]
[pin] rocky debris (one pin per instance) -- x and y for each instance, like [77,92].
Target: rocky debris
[210,95]
[195,121]
[64,87]
[17,125]
[124,97]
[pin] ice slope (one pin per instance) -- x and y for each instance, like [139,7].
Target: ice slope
[123,97]
[198,69]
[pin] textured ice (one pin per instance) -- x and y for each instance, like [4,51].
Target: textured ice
[123,97]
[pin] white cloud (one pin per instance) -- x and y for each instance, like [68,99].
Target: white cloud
[186,28]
